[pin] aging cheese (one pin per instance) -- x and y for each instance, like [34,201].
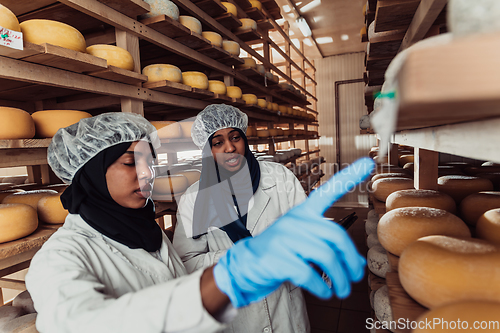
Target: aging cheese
[385,186]
[261,102]
[420,198]
[458,187]
[247,23]
[8,19]
[439,270]
[114,55]
[186,128]
[256,4]
[217,87]
[192,175]
[50,209]
[48,122]
[6,193]
[16,221]
[230,8]
[385,168]
[488,226]
[231,47]
[273,132]
[30,198]
[403,159]
[195,79]
[400,227]
[390,175]
[377,261]
[249,63]
[162,7]
[263,133]
[234,92]
[275,106]
[283,109]
[167,129]
[192,23]
[40,31]
[170,184]
[249,99]
[160,72]
[213,37]
[15,124]
[476,204]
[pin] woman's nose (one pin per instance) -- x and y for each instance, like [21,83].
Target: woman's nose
[229,147]
[145,171]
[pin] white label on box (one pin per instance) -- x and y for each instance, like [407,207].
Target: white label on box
[11,38]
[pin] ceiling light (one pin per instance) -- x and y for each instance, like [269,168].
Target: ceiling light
[308,42]
[317,18]
[324,40]
[310,6]
[344,37]
[286,8]
[304,27]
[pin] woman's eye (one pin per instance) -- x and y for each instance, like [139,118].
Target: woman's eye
[129,164]
[236,138]
[216,144]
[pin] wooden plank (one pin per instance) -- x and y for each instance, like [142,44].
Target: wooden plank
[426,169]
[248,35]
[22,156]
[213,8]
[12,284]
[378,63]
[197,93]
[131,8]
[114,73]
[29,49]
[393,262]
[168,87]
[255,14]
[26,244]
[25,143]
[193,40]
[229,21]
[394,14]
[22,7]
[167,26]
[384,46]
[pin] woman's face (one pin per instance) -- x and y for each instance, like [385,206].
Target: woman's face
[130,177]
[228,148]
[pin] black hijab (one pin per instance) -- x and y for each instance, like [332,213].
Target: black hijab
[221,190]
[88,196]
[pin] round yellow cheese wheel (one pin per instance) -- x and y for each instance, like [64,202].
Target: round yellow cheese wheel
[6,193]
[247,23]
[263,133]
[114,55]
[460,316]
[8,19]
[195,79]
[275,106]
[40,31]
[230,8]
[269,105]
[261,69]
[256,4]
[249,63]
[488,226]
[217,87]
[276,78]
[27,197]
[439,270]
[249,99]
[390,175]
[420,198]
[192,175]
[494,177]
[50,209]
[231,47]
[289,110]
[283,109]
[273,132]
[251,131]
[16,221]
[47,122]
[192,23]
[160,72]
[476,204]
[170,184]
[458,187]
[167,129]
[213,37]
[261,102]
[234,92]
[385,186]
[186,128]
[15,124]
[403,159]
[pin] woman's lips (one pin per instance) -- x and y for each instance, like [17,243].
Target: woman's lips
[234,161]
[144,192]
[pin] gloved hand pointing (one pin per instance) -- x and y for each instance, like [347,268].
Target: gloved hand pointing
[255,267]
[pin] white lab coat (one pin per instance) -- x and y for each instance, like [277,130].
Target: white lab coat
[83,281]
[284,311]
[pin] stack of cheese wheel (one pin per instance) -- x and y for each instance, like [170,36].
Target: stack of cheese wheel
[230,8]
[410,167]
[438,270]
[231,47]
[249,62]
[262,103]
[251,131]
[234,92]
[16,221]
[192,175]
[162,7]
[167,129]
[214,38]
[400,227]
[476,204]
[192,23]
[217,87]
[458,187]
[195,79]
[385,186]
[250,99]
[420,198]
[38,31]
[263,133]
[15,124]
[114,55]
[166,186]
[488,226]
[47,122]
[186,128]
[403,159]
[8,19]
[50,209]
[30,198]
[161,72]
[246,24]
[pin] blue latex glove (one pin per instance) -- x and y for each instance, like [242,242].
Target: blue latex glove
[255,267]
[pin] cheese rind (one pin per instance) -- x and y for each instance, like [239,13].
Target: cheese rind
[234,92]
[488,226]
[39,31]
[458,187]
[8,19]
[30,198]
[48,122]
[230,8]
[231,47]
[213,37]
[249,99]
[15,124]
[16,221]
[192,23]
[476,204]
[50,209]
[160,72]
[383,187]
[217,87]
[420,198]
[195,79]
[167,129]
[114,55]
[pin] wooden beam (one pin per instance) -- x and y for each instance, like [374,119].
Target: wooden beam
[426,169]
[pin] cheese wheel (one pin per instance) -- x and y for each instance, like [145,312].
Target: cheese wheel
[186,128]
[192,175]
[488,226]
[40,31]
[6,193]
[382,305]
[8,19]
[482,169]
[256,4]
[48,122]
[249,99]
[263,133]
[377,261]
[420,198]
[275,78]
[269,105]
[170,184]
[261,69]
[251,131]
[439,270]
[447,170]
[458,187]
[371,225]
[217,87]
[249,63]
[192,23]
[160,72]
[195,80]
[162,7]
[231,47]
[400,227]
[410,167]
[261,102]
[167,129]
[15,124]
[30,198]
[16,221]
[494,177]
[213,37]
[385,186]
[403,159]
[50,209]
[273,132]
[233,92]
[230,8]
[476,204]
[372,240]
[289,110]
[460,316]
[247,23]
[283,109]
[275,106]
[390,175]
[114,55]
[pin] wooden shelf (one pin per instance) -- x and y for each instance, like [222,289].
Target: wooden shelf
[116,74]
[229,21]
[255,14]
[394,14]
[213,8]
[248,35]
[221,55]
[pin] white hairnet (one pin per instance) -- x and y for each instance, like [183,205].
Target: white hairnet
[75,145]
[216,117]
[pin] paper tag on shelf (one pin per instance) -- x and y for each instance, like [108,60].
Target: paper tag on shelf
[11,38]
[385,118]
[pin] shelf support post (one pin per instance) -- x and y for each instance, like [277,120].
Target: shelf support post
[426,169]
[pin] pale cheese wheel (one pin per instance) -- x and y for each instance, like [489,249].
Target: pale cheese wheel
[377,261]
[382,306]
[162,7]
[186,128]
[390,175]
[114,55]
[249,99]
[261,69]
[400,227]
[48,122]
[30,198]
[50,209]
[234,92]
[458,187]
[420,198]
[170,184]
[403,159]
[17,220]
[15,124]
[263,133]
[488,226]
[476,204]
[161,72]
[371,225]
[247,23]
[256,4]
[261,102]
[217,87]
[372,240]
[383,187]
[38,31]
[289,110]
[439,270]
[192,23]
[230,8]
[192,175]
[249,62]
[8,19]
[195,79]
[231,47]
[167,129]
[213,37]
